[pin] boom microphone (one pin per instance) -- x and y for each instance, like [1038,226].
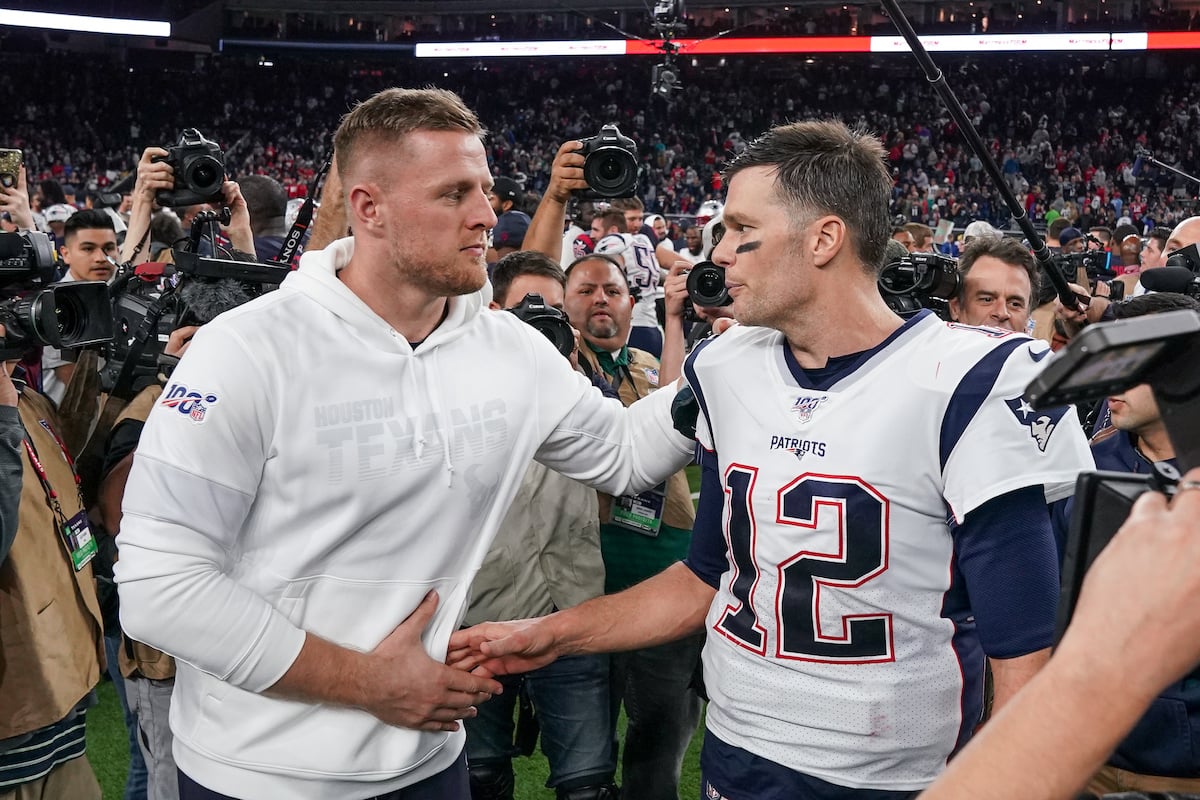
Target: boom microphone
[1167,279]
[206,298]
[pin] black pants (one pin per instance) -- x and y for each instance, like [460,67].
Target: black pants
[449,784]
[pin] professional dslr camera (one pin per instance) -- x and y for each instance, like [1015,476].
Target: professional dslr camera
[548,320]
[920,280]
[610,165]
[199,168]
[36,311]
[1162,350]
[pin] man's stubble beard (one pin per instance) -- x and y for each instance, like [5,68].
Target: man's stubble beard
[459,278]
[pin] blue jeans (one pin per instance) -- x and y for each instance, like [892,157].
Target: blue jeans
[570,697]
[663,711]
[135,783]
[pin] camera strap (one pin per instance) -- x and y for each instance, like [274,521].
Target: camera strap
[287,251]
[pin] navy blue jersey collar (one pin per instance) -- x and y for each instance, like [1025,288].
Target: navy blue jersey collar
[838,368]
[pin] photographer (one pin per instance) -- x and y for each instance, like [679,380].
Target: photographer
[154,176]
[546,555]
[52,635]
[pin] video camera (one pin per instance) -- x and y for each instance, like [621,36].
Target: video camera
[1096,265]
[61,315]
[610,165]
[150,302]
[1162,350]
[919,281]
[547,320]
[199,166]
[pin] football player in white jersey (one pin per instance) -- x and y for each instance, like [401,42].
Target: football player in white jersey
[872,525]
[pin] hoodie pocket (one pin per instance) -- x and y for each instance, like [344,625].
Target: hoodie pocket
[284,736]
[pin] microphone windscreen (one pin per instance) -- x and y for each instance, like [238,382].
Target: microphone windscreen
[1167,279]
[207,297]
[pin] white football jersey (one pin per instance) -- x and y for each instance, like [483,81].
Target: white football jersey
[829,649]
[641,269]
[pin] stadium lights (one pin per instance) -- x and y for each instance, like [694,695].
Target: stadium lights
[956,43]
[82,24]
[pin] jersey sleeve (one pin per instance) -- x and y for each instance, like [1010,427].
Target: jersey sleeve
[191,487]
[704,430]
[1006,554]
[707,553]
[993,442]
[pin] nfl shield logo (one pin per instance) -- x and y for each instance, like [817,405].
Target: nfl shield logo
[805,406]
[197,412]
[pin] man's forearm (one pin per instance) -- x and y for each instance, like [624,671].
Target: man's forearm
[323,672]
[1010,675]
[137,232]
[661,609]
[1050,739]
[673,350]
[545,231]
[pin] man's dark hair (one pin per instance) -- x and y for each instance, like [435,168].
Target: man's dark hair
[624,204]
[1153,303]
[612,218]
[516,264]
[824,167]
[921,233]
[1102,232]
[86,220]
[600,257]
[266,200]
[1001,248]
[52,193]
[1121,231]
[1161,235]
[1059,225]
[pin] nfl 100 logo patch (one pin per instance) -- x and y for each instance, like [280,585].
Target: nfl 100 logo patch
[806,406]
[194,405]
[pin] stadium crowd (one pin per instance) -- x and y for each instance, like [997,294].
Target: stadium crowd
[344,575]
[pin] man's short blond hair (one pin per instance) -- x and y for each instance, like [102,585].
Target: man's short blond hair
[393,113]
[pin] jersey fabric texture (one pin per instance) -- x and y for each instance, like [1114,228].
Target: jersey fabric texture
[641,270]
[307,470]
[840,632]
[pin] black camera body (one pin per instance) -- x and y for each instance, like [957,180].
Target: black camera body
[548,320]
[706,285]
[610,165]
[61,315]
[918,281]
[1095,264]
[199,166]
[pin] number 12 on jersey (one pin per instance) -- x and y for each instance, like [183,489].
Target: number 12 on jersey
[859,515]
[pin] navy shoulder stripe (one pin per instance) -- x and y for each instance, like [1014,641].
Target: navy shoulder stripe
[689,372]
[970,393]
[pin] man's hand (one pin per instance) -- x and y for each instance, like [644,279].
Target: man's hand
[675,291]
[179,340]
[566,173]
[14,200]
[503,648]
[238,230]
[152,176]
[406,687]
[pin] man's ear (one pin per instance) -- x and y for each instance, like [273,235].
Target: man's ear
[828,235]
[955,309]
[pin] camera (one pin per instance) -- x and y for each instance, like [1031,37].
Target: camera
[918,281]
[153,300]
[61,315]
[706,285]
[610,165]
[199,167]
[548,320]
[1162,350]
[1095,264]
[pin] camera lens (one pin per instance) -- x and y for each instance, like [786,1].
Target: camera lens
[706,285]
[205,175]
[611,172]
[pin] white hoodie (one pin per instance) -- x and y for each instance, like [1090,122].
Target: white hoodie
[307,470]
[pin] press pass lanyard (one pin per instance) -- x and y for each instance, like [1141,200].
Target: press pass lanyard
[75,531]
